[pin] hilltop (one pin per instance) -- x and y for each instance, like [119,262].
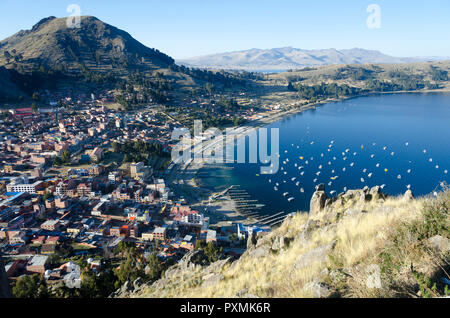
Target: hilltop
[96,45]
[292,58]
[361,243]
[53,56]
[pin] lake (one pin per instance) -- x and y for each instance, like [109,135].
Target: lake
[398,140]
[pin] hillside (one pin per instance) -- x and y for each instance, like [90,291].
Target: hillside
[93,57]
[98,46]
[292,58]
[358,244]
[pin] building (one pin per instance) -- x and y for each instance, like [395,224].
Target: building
[22,185]
[84,190]
[50,225]
[37,264]
[96,170]
[159,233]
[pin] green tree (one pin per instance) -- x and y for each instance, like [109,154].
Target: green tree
[30,286]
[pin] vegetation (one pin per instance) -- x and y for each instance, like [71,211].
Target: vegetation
[323,91]
[139,151]
[384,251]
[64,159]
[30,286]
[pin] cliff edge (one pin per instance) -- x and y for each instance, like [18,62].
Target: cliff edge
[361,243]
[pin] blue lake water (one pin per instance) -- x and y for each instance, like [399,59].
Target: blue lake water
[391,139]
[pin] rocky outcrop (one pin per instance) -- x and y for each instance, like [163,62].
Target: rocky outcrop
[408,196]
[5,290]
[319,254]
[318,200]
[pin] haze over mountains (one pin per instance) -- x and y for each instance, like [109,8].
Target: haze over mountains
[292,58]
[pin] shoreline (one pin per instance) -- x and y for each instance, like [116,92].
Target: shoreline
[191,169]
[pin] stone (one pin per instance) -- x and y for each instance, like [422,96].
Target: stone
[376,193]
[211,280]
[317,203]
[318,289]
[317,255]
[137,284]
[353,212]
[320,187]
[259,251]
[308,228]
[251,241]
[408,196]
[439,243]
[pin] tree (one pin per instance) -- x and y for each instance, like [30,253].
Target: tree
[66,157]
[34,107]
[212,252]
[155,266]
[30,286]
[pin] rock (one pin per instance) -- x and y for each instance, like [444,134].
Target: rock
[211,280]
[280,243]
[408,196]
[353,212]
[5,290]
[259,251]
[217,266]
[366,189]
[251,241]
[318,289]
[317,203]
[244,293]
[376,193]
[137,284]
[308,228]
[320,187]
[317,255]
[365,197]
[439,243]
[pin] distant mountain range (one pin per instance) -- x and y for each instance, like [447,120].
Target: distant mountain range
[292,58]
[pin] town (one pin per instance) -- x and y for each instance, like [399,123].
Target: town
[82,182]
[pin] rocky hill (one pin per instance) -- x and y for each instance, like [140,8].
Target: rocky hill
[361,243]
[292,58]
[97,46]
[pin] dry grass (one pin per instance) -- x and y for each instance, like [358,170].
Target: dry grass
[359,241]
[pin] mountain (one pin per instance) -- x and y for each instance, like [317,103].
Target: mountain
[53,56]
[292,58]
[97,46]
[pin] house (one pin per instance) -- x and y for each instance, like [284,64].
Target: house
[84,190]
[159,233]
[50,225]
[96,170]
[37,264]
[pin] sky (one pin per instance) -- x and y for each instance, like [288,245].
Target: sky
[187,28]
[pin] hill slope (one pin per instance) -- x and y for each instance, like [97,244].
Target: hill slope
[292,58]
[360,244]
[98,46]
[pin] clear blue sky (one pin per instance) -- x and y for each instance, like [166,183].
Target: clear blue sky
[185,28]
